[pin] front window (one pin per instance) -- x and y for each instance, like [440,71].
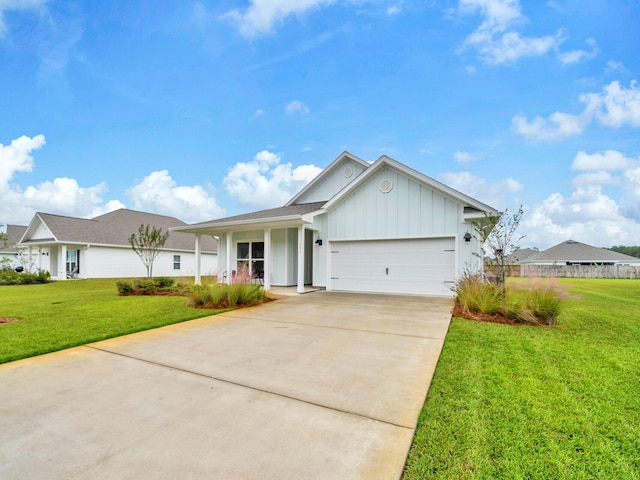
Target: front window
[73,262]
[176,262]
[250,258]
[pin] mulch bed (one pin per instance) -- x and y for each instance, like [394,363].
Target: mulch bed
[459,311]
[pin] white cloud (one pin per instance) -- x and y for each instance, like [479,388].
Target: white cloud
[265,182]
[159,193]
[394,9]
[258,113]
[494,194]
[16,157]
[62,196]
[8,5]
[495,39]
[613,66]
[261,16]
[296,106]
[609,160]
[577,56]
[614,107]
[465,157]
[588,216]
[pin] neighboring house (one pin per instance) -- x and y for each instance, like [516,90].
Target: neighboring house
[8,252]
[511,262]
[575,259]
[99,247]
[379,227]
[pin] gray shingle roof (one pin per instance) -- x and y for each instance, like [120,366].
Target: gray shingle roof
[14,234]
[572,251]
[298,209]
[115,228]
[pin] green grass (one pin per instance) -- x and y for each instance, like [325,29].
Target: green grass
[538,402]
[60,315]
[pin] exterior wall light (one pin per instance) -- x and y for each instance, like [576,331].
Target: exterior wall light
[467,237]
[319,241]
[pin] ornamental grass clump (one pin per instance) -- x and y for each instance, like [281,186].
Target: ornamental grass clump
[536,302]
[225,296]
[475,295]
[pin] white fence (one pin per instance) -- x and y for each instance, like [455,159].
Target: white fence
[580,271]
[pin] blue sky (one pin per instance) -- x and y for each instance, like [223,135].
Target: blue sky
[202,109]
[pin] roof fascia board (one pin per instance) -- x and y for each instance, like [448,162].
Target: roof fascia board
[250,224]
[332,166]
[101,245]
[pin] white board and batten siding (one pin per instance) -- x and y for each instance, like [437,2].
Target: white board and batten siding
[403,266]
[398,240]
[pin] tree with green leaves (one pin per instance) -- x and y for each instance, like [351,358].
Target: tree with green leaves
[147,244]
[498,243]
[4,238]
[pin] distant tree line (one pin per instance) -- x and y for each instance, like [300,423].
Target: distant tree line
[632,251]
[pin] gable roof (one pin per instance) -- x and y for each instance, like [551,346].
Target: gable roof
[384,160]
[294,213]
[342,158]
[113,228]
[576,252]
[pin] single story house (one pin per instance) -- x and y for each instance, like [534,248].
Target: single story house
[99,247]
[9,254]
[576,259]
[358,226]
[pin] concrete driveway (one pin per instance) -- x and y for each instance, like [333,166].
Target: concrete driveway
[318,386]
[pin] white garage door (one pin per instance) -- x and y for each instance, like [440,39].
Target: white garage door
[417,266]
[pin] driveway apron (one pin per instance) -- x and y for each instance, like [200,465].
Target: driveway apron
[318,386]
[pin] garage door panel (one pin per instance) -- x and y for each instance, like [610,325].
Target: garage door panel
[422,266]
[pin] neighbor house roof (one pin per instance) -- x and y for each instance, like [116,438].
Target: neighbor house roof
[14,234]
[113,228]
[521,255]
[575,252]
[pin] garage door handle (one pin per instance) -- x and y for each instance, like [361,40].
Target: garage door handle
[387,270]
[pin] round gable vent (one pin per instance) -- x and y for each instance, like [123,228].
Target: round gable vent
[348,172]
[386,186]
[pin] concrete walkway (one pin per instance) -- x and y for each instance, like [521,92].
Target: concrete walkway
[318,386]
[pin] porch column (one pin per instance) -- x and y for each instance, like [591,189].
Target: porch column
[267,259]
[301,259]
[228,259]
[62,263]
[198,281]
[30,264]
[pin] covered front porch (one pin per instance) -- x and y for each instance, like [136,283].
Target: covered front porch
[60,260]
[275,255]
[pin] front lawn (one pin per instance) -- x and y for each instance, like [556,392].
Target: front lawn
[538,402]
[60,315]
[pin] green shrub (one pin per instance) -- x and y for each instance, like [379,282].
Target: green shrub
[164,282]
[145,286]
[8,276]
[124,288]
